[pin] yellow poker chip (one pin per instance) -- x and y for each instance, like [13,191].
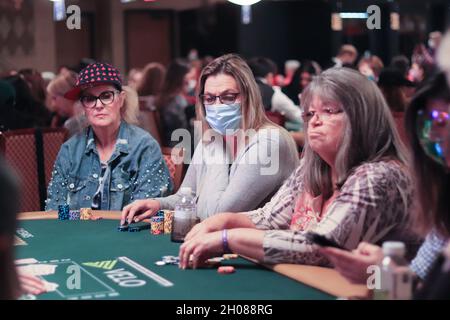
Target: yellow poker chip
[229,256]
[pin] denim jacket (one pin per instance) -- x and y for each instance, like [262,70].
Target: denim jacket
[137,171]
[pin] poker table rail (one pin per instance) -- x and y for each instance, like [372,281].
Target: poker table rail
[324,279]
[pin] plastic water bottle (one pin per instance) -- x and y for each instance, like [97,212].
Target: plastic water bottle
[185,215]
[396,277]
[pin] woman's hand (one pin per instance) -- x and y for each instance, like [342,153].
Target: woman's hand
[211,224]
[139,210]
[31,284]
[201,247]
[353,265]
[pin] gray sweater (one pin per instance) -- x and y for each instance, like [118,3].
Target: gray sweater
[248,182]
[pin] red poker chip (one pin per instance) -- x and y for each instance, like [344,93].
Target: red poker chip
[225,269]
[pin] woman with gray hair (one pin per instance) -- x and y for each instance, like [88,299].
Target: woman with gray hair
[352,183]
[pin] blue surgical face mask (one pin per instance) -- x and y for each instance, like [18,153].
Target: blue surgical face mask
[224,118]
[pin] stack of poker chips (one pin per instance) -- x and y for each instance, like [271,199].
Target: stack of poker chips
[157,224]
[63,212]
[168,219]
[74,215]
[168,260]
[86,214]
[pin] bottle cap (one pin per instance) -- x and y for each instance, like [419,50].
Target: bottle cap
[393,248]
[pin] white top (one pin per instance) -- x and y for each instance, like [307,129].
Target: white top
[244,184]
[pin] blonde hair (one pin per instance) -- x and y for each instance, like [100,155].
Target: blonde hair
[253,115]
[62,83]
[130,108]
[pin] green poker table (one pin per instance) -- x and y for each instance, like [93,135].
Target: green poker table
[92,260]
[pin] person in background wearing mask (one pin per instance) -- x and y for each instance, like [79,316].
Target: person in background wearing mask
[370,66]
[222,174]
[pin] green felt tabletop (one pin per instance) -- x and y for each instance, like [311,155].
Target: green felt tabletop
[95,261]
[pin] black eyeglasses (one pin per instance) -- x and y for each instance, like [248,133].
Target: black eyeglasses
[226,98]
[106,98]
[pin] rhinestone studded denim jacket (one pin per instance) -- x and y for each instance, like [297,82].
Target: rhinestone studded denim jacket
[137,171]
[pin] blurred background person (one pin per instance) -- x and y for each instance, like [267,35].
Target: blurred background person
[401,63]
[394,86]
[300,80]
[289,68]
[134,76]
[171,102]
[65,112]
[10,118]
[370,66]
[150,84]
[273,98]
[346,57]
[33,112]
[9,208]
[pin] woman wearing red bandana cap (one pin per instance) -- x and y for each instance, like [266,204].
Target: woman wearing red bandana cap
[112,162]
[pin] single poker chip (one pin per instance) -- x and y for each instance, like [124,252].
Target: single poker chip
[229,256]
[160,263]
[215,260]
[225,269]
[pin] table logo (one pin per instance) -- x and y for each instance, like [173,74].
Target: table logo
[106,264]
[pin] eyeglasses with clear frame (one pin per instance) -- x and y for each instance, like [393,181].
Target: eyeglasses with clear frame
[106,98]
[225,98]
[324,114]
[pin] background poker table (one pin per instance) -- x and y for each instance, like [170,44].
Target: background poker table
[121,265]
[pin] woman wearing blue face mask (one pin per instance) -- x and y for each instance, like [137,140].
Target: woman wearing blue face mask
[242,158]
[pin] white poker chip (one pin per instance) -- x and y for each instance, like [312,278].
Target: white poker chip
[160,263]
